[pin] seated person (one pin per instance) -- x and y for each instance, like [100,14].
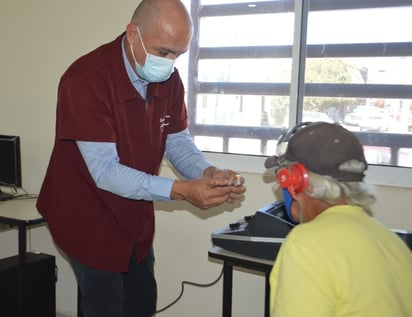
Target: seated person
[338,261]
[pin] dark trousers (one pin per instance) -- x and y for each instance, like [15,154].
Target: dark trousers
[113,294]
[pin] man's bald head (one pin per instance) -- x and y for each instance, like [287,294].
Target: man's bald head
[162,15]
[158,27]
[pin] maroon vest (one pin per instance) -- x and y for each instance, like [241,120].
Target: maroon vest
[97,102]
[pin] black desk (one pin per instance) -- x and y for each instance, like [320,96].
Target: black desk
[20,213]
[231,259]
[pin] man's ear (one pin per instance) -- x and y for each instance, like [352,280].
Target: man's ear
[131,33]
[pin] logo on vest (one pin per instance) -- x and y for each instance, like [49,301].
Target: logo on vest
[163,122]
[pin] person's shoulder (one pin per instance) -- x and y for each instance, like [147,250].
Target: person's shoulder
[317,229]
[96,60]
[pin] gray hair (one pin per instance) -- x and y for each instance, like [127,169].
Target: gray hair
[329,189]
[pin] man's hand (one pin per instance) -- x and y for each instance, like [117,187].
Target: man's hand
[215,188]
[235,180]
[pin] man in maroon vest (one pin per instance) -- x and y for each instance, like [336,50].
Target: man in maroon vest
[120,110]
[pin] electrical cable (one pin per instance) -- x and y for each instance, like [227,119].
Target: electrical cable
[183,288]
[300,212]
[26,194]
[16,192]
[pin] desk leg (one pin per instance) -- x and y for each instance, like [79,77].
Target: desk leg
[21,266]
[227,288]
[79,302]
[267,294]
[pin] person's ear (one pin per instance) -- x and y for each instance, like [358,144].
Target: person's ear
[131,33]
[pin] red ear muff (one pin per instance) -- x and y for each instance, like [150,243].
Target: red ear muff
[294,178]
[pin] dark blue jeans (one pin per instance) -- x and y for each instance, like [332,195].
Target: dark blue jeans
[113,294]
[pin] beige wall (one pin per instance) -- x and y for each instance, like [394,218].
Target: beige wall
[39,40]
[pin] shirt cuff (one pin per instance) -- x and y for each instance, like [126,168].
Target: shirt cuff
[161,188]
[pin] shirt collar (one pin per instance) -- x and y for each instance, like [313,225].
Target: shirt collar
[139,84]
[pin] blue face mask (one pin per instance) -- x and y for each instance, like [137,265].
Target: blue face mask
[155,69]
[288,200]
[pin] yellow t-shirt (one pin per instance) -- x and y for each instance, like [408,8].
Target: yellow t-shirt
[342,263]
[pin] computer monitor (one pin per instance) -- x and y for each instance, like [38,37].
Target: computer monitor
[10,164]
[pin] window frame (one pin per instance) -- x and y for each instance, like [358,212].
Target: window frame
[377,174]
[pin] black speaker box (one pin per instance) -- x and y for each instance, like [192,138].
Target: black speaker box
[39,286]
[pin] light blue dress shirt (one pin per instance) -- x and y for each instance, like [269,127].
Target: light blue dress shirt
[102,160]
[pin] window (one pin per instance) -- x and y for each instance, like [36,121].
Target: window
[250,73]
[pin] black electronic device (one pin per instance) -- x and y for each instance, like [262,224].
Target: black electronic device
[405,235]
[39,286]
[259,235]
[10,164]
